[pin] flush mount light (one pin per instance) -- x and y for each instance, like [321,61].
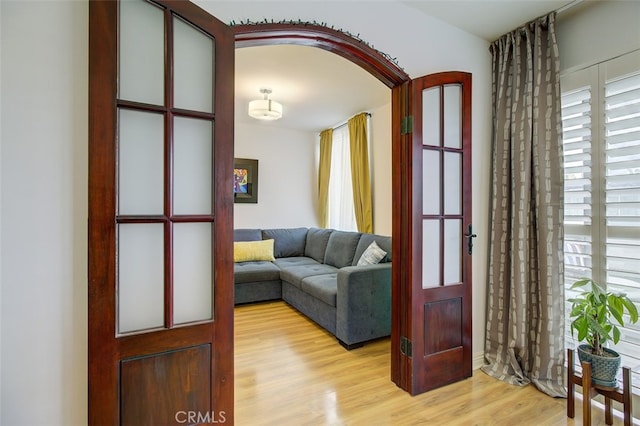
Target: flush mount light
[265,109]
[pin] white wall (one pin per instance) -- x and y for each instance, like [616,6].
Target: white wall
[287,189]
[44,213]
[597,31]
[1,117]
[288,169]
[380,163]
[43,154]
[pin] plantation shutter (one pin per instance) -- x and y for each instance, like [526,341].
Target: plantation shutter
[622,168]
[601,139]
[576,124]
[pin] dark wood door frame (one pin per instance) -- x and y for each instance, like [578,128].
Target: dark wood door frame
[338,42]
[390,74]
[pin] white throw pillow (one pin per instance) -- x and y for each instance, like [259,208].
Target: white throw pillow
[372,255]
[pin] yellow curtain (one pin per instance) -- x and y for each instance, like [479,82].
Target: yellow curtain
[360,172]
[324,171]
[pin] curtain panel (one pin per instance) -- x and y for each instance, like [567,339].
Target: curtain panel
[360,174]
[324,173]
[525,286]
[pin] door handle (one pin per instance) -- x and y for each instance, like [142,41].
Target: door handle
[470,236]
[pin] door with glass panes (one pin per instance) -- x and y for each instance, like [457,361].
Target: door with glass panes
[433,236]
[160,211]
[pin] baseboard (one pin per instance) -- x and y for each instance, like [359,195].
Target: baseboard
[478,360]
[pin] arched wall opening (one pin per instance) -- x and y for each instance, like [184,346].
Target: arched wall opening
[340,43]
[390,74]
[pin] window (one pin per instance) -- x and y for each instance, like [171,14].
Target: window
[601,138]
[341,210]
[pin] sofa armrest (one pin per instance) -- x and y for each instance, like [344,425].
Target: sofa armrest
[363,303]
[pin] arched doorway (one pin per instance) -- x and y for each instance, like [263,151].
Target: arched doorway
[434,312]
[340,43]
[372,61]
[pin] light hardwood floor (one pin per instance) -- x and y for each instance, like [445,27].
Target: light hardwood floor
[289,371]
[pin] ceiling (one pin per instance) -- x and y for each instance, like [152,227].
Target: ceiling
[487,19]
[319,89]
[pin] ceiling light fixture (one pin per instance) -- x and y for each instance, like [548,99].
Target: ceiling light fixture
[265,109]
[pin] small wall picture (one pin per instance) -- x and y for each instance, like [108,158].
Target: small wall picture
[245,180]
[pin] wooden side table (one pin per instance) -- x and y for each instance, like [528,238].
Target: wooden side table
[589,390]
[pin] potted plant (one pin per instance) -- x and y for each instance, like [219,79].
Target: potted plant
[596,315]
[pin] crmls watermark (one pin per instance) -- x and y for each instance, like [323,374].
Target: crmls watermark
[200,417]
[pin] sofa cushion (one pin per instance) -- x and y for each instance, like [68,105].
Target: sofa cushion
[317,239]
[323,287]
[295,274]
[341,247]
[286,262]
[247,251]
[247,235]
[289,242]
[257,291]
[365,241]
[246,272]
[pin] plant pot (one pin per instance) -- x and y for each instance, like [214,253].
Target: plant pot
[603,368]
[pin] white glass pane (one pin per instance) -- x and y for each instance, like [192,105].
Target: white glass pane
[192,272]
[430,253]
[140,162]
[453,116]
[431,116]
[192,68]
[430,182]
[142,55]
[140,276]
[192,166]
[452,183]
[452,251]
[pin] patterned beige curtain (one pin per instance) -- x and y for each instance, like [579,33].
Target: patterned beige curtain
[525,294]
[360,178]
[324,172]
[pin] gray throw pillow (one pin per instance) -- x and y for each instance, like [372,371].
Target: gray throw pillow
[372,255]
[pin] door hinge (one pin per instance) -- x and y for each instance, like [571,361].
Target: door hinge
[405,346]
[406,125]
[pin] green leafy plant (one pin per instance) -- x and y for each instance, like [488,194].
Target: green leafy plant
[594,311]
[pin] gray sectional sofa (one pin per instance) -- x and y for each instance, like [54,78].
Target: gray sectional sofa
[316,271]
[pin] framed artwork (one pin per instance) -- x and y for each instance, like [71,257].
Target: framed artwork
[245,180]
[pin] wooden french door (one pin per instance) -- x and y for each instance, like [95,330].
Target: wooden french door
[160,214]
[433,234]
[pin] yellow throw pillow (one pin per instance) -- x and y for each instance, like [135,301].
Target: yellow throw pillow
[246,251]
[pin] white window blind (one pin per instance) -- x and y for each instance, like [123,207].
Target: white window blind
[576,124]
[622,168]
[601,139]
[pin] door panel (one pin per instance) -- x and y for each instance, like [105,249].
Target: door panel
[160,213]
[185,380]
[436,329]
